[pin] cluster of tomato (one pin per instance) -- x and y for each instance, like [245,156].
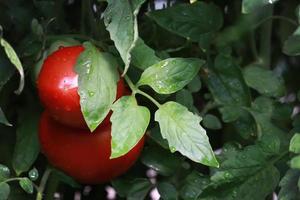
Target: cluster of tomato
[64,137]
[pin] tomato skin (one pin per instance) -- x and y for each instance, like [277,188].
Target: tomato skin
[81,154]
[58,84]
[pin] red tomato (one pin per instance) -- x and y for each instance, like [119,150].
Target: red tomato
[58,84]
[81,154]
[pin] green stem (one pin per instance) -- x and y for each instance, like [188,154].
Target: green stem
[253,45]
[276,17]
[131,85]
[265,39]
[12,179]
[149,97]
[209,106]
[43,182]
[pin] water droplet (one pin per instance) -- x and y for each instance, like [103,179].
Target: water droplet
[91,93]
[173,149]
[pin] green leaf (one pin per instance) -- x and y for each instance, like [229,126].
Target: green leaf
[4,172]
[195,84]
[189,20]
[129,124]
[14,59]
[230,113]
[193,185]
[288,185]
[65,178]
[167,191]
[122,186]
[184,134]
[249,6]
[26,185]
[295,143]
[120,18]
[168,166]
[27,145]
[139,189]
[185,98]
[211,122]
[97,84]
[257,186]
[170,75]
[143,56]
[4,191]
[3,119]
[33,174]
[291,46]
[295,162]
[264,81]
[226,83]
[6,70]
[245,125]
[155,134]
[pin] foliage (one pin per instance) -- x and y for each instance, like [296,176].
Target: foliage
[214,86]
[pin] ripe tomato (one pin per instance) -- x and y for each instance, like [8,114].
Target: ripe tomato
[58,84]
[81,154]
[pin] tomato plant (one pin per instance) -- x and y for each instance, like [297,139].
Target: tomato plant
[214,89]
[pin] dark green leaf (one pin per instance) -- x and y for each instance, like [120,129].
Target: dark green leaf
[6,70]
[27,145]
[184,134]
[139,189]
[257,186]
[129,124]
[97,84]
[33,174]
[36,28]
[295,162]
[185,98]
[3,119]
[193,185]
[291,46]
[288,185]
[295,143]
[4,191]
[121,22]
[189,20]
[245,125]
[230,113]
[225,82]
[4,172]
[249,6]
[195,84]
[167,166]
[14,59]
[155,134]
[211,122]
[171,75]
[167,191]
[143,56]
[122,186]
[66,179]
[264,81]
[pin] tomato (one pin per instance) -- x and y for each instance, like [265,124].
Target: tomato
[58,84]
[81,154]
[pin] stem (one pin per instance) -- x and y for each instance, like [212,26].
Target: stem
[277,17]
[208,107]
[149,97]
[42,186]
[253,45]
[265,39]
[131,85]
[12,179]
